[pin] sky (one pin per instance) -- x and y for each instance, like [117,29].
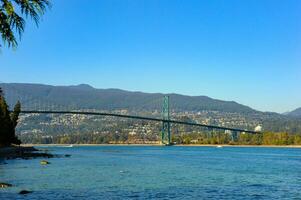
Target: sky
[245,51]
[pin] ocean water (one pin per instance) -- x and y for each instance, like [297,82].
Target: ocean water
[154,172]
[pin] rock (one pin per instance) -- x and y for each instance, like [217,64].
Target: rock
[25,192]
[13,152]
[44,162]
[5,185]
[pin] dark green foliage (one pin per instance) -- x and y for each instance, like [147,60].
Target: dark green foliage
[15,114]
[8,123]
[12,22]
[267,138]
[14,121]
[5,123]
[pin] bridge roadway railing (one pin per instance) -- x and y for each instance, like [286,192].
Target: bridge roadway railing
[138,117]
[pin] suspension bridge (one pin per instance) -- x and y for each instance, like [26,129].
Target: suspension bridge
[31,104]
[165,120]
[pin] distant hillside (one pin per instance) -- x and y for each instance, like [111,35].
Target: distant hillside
[86,97]
[218,112]
[295,113]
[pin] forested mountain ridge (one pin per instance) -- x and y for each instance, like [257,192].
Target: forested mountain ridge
[201,109]
[86,97]
[295,113]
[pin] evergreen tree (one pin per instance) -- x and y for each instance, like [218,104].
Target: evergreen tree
[15,114]
[14,121]
[8,123]
[12,21]
[5,123]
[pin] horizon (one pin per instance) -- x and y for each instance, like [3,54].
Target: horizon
[247,52]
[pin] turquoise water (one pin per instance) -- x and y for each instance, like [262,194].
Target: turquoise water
[146,172]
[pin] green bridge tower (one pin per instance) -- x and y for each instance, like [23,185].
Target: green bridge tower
[165,135]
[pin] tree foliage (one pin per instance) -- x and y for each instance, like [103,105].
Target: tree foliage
[266,138]
[12,13]
[8,123]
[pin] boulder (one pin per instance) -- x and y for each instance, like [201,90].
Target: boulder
[25,192]
[44,162]
[5,185]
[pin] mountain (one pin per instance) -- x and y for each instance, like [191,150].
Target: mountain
[86,97]
[78,97]
[295,113]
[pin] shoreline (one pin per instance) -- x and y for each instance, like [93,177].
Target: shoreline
[179,145]
[23,152]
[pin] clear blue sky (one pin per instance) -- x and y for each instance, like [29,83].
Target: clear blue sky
[248,51]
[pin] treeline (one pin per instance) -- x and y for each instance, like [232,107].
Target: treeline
[285,124]
[8,122]
[267,138]
[89,138]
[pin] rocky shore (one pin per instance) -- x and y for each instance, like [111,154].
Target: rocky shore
[22,152]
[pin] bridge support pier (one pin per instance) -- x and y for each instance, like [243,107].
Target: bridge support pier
[234,135]
[165,135]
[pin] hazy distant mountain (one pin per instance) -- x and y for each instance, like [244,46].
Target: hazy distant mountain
[295,113]
[86,97]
